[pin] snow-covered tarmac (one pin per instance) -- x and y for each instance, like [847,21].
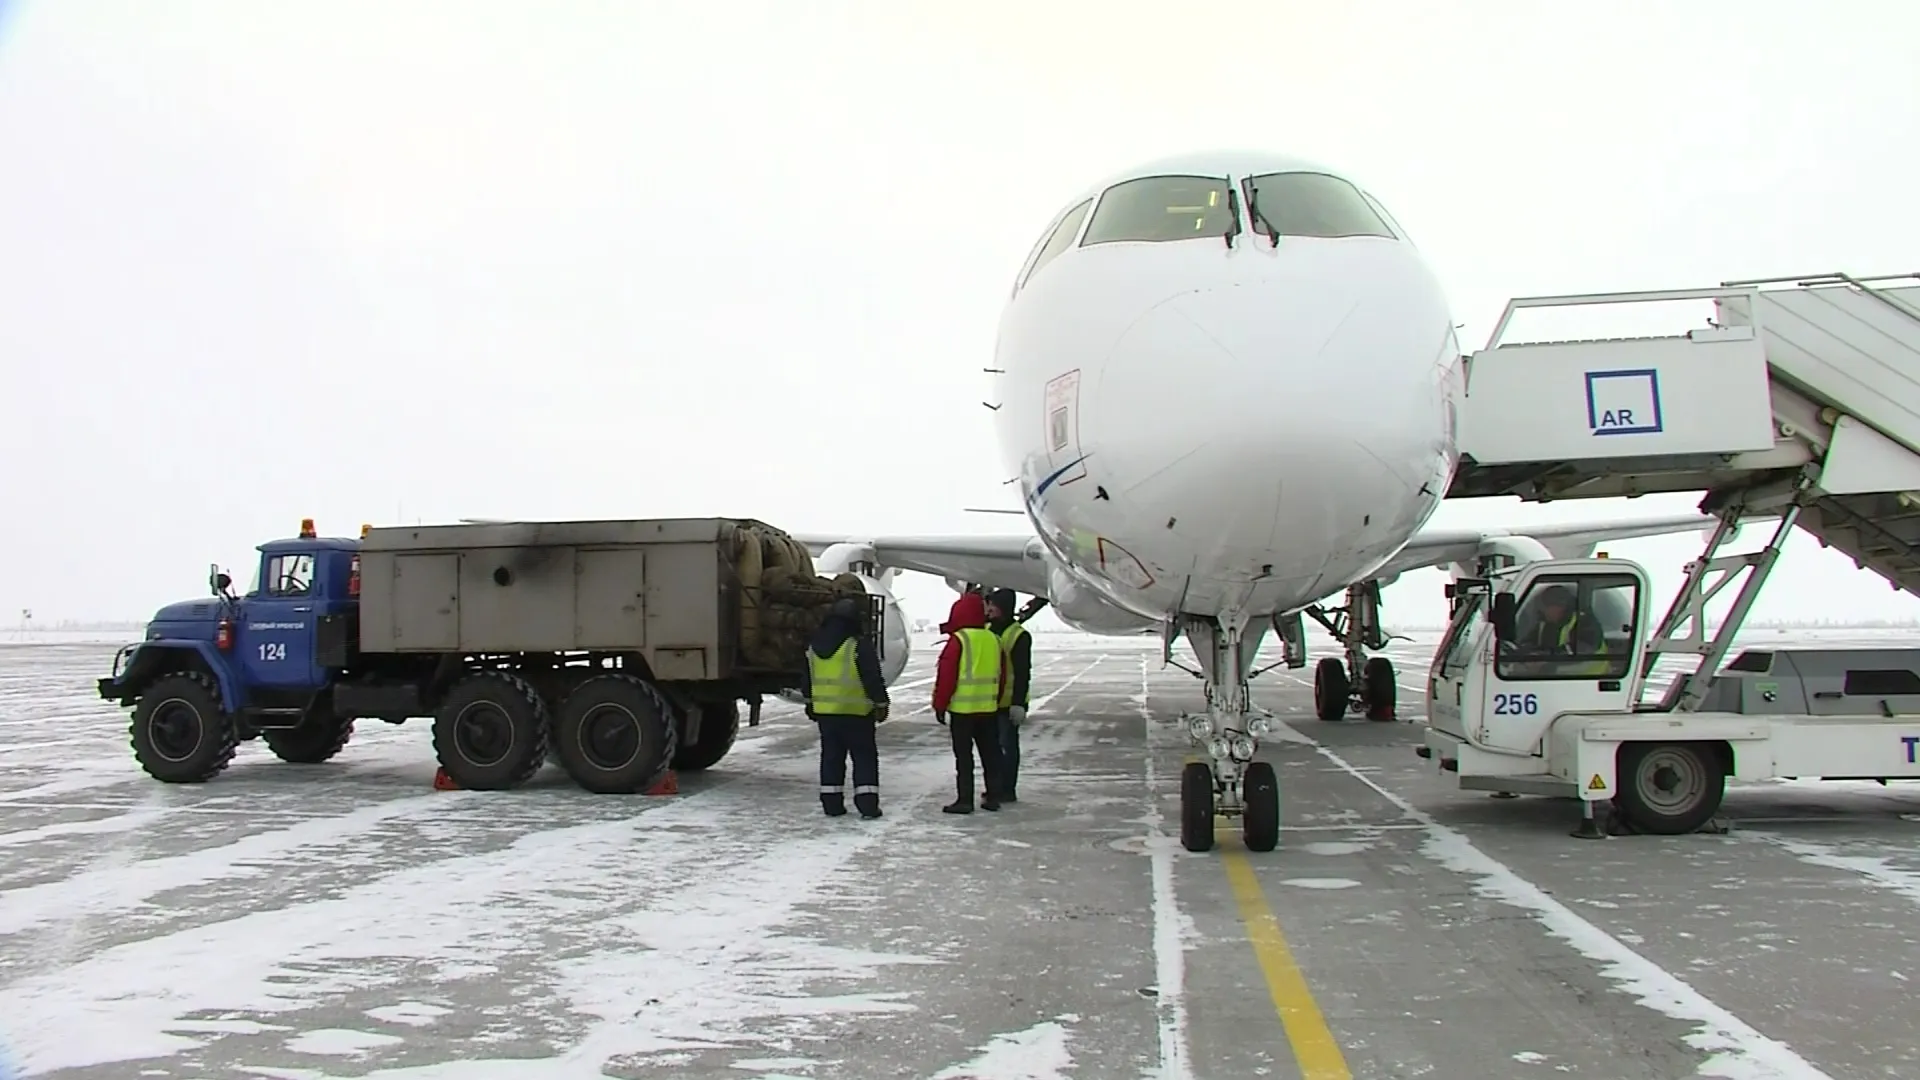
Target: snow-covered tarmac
[346,920]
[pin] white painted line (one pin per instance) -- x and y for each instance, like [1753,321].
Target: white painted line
[1735,1049]
[1036,706]
[1169,951]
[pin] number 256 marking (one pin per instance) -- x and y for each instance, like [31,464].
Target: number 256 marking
[273,650]
[1515,704]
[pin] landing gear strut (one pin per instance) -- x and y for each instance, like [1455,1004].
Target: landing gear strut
[1234,784]
[1357,682]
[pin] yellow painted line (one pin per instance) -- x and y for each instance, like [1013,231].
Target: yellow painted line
[1314,1048]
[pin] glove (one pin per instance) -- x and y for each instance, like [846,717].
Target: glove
[1017,713]
[941,718]
[879,714]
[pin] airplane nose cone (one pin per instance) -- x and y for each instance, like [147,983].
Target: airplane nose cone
[1262,405]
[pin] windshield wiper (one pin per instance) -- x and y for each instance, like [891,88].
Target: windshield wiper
[1253,212]
[1233,212]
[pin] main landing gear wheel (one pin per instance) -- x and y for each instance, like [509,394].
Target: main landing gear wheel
[1260,821]
[181,732]
[1379,687]
[719,724]
[616,735]
[1196,806]
[1331,689]
[490,732]
[1669,788]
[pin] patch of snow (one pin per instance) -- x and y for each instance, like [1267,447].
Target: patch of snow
[1038,1053]
[1320,882]
[1736,1050]
[764,1064]
[1528,1057]
[1877,870]
[1011,843]
[1335,847]
[413,1013]
[340,1042]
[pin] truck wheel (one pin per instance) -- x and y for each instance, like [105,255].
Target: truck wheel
[1331,689]
[719,724]
[490,732]
[1669,788]
[1260,799]
[181,732]
[615,735]
[1377,679]
[320,735]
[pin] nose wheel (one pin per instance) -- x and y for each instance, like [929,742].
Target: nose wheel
[1253,796]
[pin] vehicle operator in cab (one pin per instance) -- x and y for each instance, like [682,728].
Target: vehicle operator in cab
[846,697]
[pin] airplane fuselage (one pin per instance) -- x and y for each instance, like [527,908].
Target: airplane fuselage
[1241,429]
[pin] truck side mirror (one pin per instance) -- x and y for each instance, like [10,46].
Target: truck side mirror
[1503,615]
[218,581]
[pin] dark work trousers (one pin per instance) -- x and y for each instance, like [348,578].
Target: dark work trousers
[842,737]
[1009,755]
[975,731]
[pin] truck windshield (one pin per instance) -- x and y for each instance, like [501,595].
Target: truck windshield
[1454,649]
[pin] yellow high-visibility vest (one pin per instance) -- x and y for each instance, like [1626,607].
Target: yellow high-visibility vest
[836,683]
[978,688]
[1586,667]
[1008,638]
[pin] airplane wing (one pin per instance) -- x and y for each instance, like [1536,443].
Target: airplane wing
[1571,540]
[997,562]
[1018,563]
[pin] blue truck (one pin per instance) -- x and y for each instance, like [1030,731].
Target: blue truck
[619,648]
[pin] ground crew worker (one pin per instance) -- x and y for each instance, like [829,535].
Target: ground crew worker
[1563,633]
[846,697]
[966,696]
[1016,650]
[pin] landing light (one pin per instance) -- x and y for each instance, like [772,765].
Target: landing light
[1260,727]
[1242,748]
[1219,747]
[1200,727]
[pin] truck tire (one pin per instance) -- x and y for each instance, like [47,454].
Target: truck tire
[616,735]
[490,732]
[320,735]
[1669,788]
[181,732]
[719,725]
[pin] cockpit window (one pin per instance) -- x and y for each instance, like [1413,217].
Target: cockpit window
[1311,204]
[1158,208]
[1055,242]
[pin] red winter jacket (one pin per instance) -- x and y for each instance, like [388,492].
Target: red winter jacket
[970,610]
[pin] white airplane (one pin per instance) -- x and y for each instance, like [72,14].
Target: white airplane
[1226,385]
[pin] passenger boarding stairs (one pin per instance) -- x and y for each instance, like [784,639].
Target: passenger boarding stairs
[1801,399]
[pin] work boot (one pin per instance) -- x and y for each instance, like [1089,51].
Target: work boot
[834,805]
[868,805]
[990,802]
[958,806]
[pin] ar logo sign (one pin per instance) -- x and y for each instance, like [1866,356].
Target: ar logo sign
[1624,402]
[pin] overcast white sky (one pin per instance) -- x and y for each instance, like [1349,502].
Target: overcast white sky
[366,261]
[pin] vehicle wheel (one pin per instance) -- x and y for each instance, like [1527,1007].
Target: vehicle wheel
[616,735]
[490,732]
[1331,689]
[719,725]
[1260,791]
[1381,690]
[1669,788]
[182,734]
[320,735]
[1196,806]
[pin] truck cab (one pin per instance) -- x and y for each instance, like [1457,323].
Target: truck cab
[1526,645]
[250,663]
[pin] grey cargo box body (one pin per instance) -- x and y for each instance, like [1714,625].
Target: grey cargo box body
[663,588]
[1818,682]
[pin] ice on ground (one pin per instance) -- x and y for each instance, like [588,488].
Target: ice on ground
[340,1042]
[1038,1053]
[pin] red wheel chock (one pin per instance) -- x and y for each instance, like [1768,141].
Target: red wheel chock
[668,785]
[443,782]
